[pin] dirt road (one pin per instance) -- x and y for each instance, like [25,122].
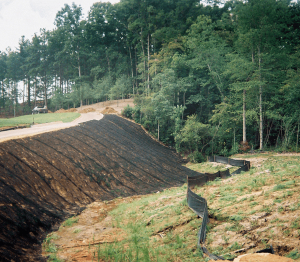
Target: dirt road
[49,127]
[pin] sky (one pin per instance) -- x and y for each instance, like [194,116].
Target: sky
[27,17]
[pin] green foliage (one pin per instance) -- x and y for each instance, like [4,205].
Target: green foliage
[70,221]
[127,112]
[294,254]
[181,60]
[193,135]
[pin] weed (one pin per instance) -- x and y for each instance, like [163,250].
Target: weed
[296,224]
[288,193]
[236,217]
[277,200]
[242,188]
[178,211]
[77,230]
[280,209]
[230,198]
[70,221]
[274,220]
[265,243]
[286,232]
[51,247]
[294,254]
[252,204]
[234,228]
[267,194]
[53,258]
[184,202]
[235,246]
[266,209]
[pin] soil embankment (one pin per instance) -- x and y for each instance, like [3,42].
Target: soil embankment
[47,177]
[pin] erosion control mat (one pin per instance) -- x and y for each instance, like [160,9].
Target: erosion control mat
[48,177]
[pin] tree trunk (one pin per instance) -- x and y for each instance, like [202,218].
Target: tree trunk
[2,89]
[148,84]
[131,70]
[143,49]
[108,62]
[297,138]
[216,81]
[260,104]
[28,91]
[45,89]
[136,71]
[79,74]
[234,137]
[35,87]
[158,130]
[244,116]
[24,90]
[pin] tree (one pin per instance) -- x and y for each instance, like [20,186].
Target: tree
[193,135]
[3,72]
[261,25]
[69,21]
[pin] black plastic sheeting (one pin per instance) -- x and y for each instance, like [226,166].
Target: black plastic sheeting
[199,204]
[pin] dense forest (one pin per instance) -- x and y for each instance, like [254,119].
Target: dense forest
[213,78]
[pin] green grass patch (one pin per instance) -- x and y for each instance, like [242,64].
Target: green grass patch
[38,119]
[294,254]
[70,221]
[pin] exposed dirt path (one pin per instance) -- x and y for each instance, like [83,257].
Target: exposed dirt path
[49,127]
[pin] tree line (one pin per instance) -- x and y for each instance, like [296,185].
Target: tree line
[212,78]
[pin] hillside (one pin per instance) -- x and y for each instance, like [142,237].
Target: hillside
[48,177]
[248,212]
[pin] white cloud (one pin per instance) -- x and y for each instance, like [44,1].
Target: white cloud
[26,17]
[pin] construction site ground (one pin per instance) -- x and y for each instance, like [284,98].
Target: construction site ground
[108,177]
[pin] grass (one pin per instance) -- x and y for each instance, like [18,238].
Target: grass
[38,119]
[161,227]
[295,254]
[51,248]
[70,221]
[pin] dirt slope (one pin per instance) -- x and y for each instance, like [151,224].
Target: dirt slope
[47,177]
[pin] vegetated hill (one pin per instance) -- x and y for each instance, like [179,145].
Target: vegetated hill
[48,177]
[248,212]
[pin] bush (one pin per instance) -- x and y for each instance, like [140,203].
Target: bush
[196,157]
[127,112]
[294,254]
[147,124]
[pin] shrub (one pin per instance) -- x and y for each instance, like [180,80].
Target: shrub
[127,112]
[196,157]
[293,254]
